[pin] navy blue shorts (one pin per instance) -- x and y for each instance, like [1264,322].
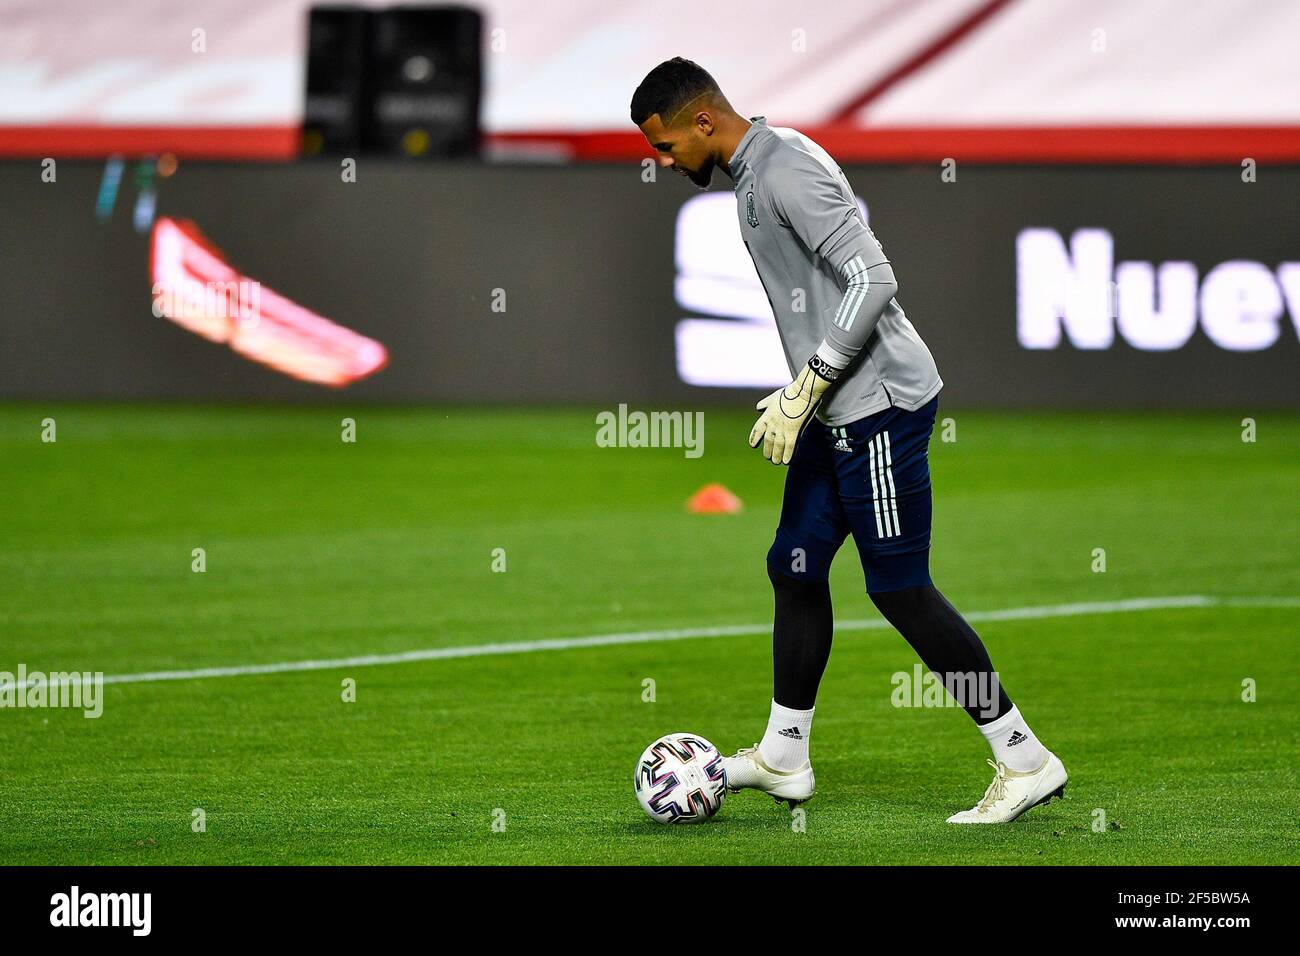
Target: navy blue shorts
[871,479]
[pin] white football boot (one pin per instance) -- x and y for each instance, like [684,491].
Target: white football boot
[746,771]
[1012,793]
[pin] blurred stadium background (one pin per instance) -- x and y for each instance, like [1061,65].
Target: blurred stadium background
[1098,236]
[437,222]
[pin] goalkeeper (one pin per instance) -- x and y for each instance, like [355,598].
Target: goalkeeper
[853,426]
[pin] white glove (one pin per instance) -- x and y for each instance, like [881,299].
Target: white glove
[785,412]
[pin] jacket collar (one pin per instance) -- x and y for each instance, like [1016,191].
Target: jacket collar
[744,155]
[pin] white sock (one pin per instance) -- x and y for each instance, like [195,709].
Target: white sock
[785,744]
[1013,743]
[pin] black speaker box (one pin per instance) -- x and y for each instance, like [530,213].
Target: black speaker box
[402,81]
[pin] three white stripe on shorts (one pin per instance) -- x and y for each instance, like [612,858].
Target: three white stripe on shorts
[883,498]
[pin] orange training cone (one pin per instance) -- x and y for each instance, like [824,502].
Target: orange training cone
[714,499]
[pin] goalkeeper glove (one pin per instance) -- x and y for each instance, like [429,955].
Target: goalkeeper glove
[787,410]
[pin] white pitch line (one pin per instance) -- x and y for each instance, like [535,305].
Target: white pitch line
[682,634]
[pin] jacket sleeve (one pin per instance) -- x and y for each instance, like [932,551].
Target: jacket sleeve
[810,200]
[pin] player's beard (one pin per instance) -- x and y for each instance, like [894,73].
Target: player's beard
[703,176]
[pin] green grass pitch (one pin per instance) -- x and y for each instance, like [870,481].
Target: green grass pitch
[319,549]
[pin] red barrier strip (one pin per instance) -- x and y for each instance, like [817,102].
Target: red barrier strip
[1177,145]
[190,142]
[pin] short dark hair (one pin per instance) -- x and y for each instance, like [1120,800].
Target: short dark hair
[668,87]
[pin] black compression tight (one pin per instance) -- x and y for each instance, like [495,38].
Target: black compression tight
[941,637]
[801,639]
[947,645]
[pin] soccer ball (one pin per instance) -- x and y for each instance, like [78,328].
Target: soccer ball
[679,779]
